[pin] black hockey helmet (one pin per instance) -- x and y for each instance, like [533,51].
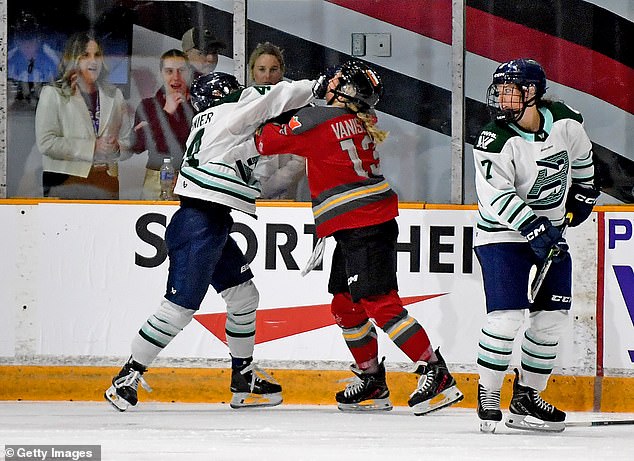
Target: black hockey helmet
[212,89]
[359,84]
[522,72]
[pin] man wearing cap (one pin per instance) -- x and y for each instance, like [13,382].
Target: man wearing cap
[201,46]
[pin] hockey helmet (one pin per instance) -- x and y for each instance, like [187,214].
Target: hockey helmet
[359,84]
[213,89]
[522,72]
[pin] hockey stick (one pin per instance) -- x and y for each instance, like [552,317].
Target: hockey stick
[607,422]
[541,275]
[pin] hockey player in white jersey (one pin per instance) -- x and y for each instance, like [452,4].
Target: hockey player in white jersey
[533,166]
[215,178]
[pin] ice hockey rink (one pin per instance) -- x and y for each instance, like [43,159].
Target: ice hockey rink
[174,431]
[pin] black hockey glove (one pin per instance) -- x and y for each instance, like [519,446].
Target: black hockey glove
[543,236]
[580,201]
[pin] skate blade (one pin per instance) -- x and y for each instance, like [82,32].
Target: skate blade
[530,423]
[444,399]
[367,405]
[249,400]
[487,426]
[111,396]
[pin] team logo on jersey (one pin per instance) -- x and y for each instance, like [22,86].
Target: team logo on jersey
[486,138]
[294,123]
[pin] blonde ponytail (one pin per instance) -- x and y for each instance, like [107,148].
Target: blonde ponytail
[369,122]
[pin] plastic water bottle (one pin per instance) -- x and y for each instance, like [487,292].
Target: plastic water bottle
[167,176]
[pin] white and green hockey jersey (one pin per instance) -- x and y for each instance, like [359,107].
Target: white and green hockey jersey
[520,175]
[220,153]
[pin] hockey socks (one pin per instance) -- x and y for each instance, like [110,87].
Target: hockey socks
[156,333]
[404,330]
[159,330]
[242,302]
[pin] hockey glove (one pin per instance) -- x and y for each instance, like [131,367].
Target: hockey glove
[542,236]
[320,87]
[580,201]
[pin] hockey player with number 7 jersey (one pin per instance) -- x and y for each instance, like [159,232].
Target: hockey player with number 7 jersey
[533,166]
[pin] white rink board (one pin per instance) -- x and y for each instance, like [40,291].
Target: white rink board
[90,294]
[619,291]
[9,233]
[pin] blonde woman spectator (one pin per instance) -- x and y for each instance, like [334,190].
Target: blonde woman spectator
[82,126]
[282,177]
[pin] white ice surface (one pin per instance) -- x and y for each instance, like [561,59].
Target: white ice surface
[170,431]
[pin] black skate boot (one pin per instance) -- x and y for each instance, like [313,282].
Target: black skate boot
[488,409]
[366,392]
[436,387]
[123,392]
[253,387]
[530,411]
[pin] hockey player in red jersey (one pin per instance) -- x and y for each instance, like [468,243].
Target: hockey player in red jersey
[355,204]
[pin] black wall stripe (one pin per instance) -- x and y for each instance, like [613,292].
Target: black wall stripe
[594,27]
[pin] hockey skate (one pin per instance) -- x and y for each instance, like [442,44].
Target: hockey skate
[253,387]
[436,387]
[488,409]
[366,392]
[529,411]
[123,392]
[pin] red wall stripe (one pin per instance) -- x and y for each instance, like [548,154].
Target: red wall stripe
[564,62]
[499,39]
[431,18]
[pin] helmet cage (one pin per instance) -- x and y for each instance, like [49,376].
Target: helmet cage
[506,115]
[212,89]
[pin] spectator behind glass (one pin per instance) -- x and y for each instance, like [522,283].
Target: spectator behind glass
[30,60]
[282,177]
[202,47]
[82,126]
[161,123]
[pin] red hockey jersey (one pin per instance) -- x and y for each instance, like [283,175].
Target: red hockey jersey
[346,185]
